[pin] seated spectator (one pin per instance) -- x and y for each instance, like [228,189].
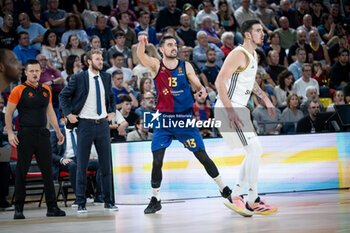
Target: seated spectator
[274,40]
[339,75]
[287,35]
[227,40]
[318,74]
[334,49]
[64,159]
[327,29]
[319,51]
[73,46]
[265,124]
[53,50]
[308,123]
[261,68]
[121,48]
[244,13]
[301,43]
[170,31]
[265,88]
[95,43]
[123,25]
[337,99]
[296,67]
[290,13]
[36,31]
[142,72]
[228,21]
[211,70]
[126,105]
[146,86]
[199,52]
[185,32]
[79,6]
[189,10]
[140,133]
[54,18]
[336,13]
[305,81]
[103,31]
[307,27]
[207,27]
[123,6]
[146,105]
[168,16]
[50,77]
[150,50]
[316,12]
[35,13]
[121,88]
[266,15]
[23,50]
[202,112]
[284,88]
[8,35]
[311,94]
[105,7]
[74,26]
[118,61]
[73,66]
[274,68]
[118,126]
[208,10]
[145,26]
[291,114]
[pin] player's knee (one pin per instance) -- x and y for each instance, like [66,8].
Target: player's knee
[254,146]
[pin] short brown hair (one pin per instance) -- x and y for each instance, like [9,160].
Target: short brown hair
[289,98]
[92,52]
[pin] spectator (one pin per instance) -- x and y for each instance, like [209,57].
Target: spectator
[284,88]
[23,50]
[311,93]
[147,104]
[303,9]
[145,26]
[36,31]
[244,13]
[189,10]
[274,69]
[74,26]
[123,25]
[318,74]
[199,52]
[211,70]
[335,12]
[274,41]
[207,11]
[54,18]
[288,12]
[35,13]
[202,112]
[169,31]
[95,43]
[103,31]
[227,40]
[50,77]
[168,16]
[53,50]
[305,81]
[261,68]
[146,86]
[187,34]
[150,50]
[287,34]
[228,21]
[291,114]
[118,128]
[207,27]
[266,15]
[123,6]
[103,6]
[319,51]
[79,6]
[316,12]
[339,75]
[265,88]
[118,61]
[301,43]
[334,49]
[144,5]
[126,105]
[73,46]
[120,89]
[308,123]
[307,27]
[346,91]
[141,72]
[327,29]
[140,133]
[121,48]
[337,99]
[8,35]
[73,66]
[296,67]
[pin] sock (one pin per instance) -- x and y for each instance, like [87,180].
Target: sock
[156,193]
[238,189]
[252,194]
[218,181]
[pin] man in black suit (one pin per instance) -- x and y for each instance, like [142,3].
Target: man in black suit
[88,101]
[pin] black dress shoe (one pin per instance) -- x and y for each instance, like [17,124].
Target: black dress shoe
[18,215]
[153,206]
[111,207]
[55,212]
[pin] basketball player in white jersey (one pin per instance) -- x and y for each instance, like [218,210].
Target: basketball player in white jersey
[235,83]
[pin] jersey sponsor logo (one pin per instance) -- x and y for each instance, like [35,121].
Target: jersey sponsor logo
[247,92]
[165,91]
[30,94]
[45,94]
[180,69]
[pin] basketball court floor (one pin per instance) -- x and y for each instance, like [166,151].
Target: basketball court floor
[315,211]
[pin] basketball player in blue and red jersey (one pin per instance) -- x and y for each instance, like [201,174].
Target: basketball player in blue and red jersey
[173,80]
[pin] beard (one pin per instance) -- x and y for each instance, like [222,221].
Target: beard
[97,66]
[170,56]
[212,61]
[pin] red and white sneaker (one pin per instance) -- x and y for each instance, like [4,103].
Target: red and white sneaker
[260,207]
[237,204]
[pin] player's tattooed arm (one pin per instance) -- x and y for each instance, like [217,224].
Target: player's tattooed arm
[257,91]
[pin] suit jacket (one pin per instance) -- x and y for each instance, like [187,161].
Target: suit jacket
[73,96]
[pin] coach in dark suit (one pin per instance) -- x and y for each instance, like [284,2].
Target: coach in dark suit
[89,102]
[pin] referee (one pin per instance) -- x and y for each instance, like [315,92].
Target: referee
[33,102]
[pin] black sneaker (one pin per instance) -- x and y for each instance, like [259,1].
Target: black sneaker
[74,205]
[4,206]
[55,212]
[98,201]
[153,206]
[111,207]
[82,209]
[18,213]
[226,192]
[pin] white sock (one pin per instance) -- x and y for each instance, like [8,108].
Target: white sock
[252,193]
[156,193]
[218,181]
[239,187]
